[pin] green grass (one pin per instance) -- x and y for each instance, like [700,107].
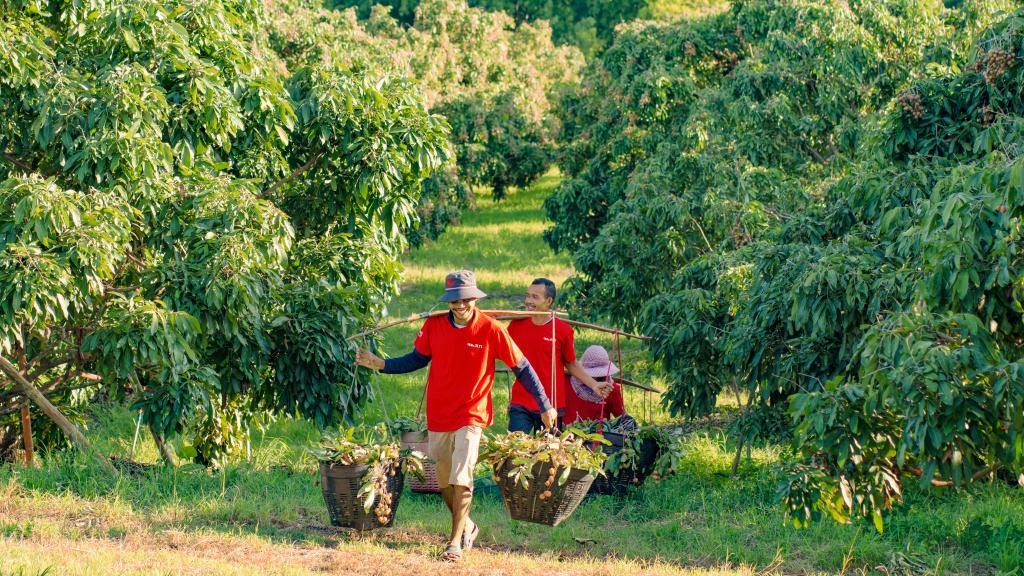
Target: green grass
[699,519]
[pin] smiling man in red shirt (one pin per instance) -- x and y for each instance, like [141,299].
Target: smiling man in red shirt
[533,335]
[461,348]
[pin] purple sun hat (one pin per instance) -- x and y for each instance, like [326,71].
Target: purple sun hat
[596,364]
[461,285]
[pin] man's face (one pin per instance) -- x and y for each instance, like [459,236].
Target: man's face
[537,299]
[462,309]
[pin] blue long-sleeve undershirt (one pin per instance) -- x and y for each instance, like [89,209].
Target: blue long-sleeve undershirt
[527,376]
[411,362]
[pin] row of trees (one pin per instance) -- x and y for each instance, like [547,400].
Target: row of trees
[193,218]
[587,24]
[494,81]
[817,204]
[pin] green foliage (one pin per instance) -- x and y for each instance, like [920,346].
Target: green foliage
[701,515]
[519,452]
[671,448]
[193,221]
[588,24]
[824,219]
[498,144]
[493,81]
[403,425]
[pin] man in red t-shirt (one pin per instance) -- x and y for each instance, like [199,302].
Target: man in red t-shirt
[533,335]
[461,348]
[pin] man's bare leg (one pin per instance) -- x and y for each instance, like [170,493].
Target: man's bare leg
[461,500]
[448,495]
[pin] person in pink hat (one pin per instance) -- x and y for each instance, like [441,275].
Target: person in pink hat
[582,403]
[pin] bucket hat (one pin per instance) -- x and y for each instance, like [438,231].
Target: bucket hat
[461,285]
[596,364]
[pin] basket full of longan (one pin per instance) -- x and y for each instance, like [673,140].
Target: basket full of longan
[542,478]
[362,478]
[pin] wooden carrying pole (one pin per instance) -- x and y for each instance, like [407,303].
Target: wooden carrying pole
[517,315]
[554,384]
[622,381]
[497,314]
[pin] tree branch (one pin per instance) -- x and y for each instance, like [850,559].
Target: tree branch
[165,452]
[817,155]
[22,164]
[915,471]
[8,407]
[45,367]
[295,174]
[18,163]
[37,398]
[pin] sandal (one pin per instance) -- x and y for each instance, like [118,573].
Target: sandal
[451,554]
[469,537]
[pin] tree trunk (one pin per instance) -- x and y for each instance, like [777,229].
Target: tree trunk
[51,411]
[165,452]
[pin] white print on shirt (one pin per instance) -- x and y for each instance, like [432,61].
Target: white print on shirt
[471,345]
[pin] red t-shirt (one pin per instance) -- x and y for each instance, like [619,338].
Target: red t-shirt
[462,369]
[535,342]
[579,409]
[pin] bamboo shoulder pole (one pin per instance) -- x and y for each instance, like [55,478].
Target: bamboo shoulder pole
[517,315]
[496,314]
[608,330]
[622,381]
[625,382]
[32,393]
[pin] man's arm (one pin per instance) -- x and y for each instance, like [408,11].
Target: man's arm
[527,376]
[409,363]
[602,389]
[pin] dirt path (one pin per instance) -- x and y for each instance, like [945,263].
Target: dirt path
[72,536]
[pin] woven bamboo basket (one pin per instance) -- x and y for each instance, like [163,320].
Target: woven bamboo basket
[526,504]
[418,441]
[620,481]
[340,484]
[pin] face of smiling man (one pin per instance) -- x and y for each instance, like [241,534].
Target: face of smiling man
[462,310]
[537,299]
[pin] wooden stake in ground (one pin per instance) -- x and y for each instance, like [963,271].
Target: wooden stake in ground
[26,433]
[36,397]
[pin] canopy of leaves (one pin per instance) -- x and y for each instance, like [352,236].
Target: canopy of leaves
[188,217]
[587,24]
[491,79]
[814,203]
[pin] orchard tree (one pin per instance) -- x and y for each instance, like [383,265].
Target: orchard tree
[935,387]
[812,205]
[188,221]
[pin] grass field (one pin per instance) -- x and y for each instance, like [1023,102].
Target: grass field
[266,515]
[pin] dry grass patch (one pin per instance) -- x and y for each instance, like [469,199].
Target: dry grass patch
[198,554]
[66,534]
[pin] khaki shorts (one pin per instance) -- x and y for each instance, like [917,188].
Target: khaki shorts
[455,454]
